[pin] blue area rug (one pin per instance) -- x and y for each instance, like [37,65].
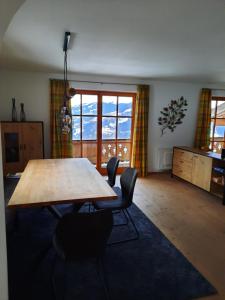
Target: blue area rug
[150,268]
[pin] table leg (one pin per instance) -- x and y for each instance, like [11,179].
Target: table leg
[77,207]
[54,211]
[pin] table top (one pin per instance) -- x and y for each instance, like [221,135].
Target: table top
[209,154]
[55,181]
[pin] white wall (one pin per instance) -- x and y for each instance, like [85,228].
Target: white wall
[3,256]
[33,90]
[161,94]
[30,88]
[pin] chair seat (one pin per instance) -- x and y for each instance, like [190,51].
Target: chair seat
[111,204]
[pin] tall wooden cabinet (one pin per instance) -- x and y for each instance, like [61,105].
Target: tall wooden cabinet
[21,141]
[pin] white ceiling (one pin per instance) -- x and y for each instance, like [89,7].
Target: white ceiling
[7,10]
[163,39]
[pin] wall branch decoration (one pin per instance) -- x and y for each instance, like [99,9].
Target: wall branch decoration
[172,115]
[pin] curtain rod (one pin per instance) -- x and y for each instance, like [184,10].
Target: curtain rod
[99,82]
[217,89]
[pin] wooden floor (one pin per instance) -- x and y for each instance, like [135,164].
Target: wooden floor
[192,219]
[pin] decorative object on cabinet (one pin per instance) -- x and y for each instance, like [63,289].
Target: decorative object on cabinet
[21,141]
[22,113]
[14,112]
[172,114]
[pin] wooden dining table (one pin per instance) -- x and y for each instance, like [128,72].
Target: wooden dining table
[48,182]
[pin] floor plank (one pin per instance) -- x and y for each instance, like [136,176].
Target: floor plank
[192,219]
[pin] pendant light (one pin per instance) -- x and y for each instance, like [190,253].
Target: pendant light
[65,116]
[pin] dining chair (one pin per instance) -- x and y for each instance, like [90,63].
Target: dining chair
[112,167]
[124,200]
[81,236]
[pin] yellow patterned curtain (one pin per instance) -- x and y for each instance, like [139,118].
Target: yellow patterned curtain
[140,135]
[61,144]
[202,136]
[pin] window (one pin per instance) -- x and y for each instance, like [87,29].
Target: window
[217,132]
[102,126]
[84,109]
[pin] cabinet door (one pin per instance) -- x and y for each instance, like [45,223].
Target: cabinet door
[12,148]
[182,164]
[32,141]
[201,171]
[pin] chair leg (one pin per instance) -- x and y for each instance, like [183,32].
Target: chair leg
[54,211]
[55,294]
[52,278]
[101,273]
[77,207]
[136,237]
[133,223]
[43,253]
[125,217]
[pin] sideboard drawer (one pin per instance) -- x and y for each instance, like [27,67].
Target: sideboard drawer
[185,174]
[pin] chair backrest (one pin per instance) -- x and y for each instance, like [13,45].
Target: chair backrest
[127,182]
[82,235]
[112,167]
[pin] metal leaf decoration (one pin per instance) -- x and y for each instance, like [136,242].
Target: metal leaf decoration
[172,115]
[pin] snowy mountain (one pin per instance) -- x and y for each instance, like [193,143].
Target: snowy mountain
[89,122]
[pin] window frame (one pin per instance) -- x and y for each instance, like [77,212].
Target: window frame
[214,119]
[99,116]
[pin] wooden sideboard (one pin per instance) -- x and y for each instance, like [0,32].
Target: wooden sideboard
[21,141]
[203,169]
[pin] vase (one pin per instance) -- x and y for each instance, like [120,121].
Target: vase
[22,113]
[14,112]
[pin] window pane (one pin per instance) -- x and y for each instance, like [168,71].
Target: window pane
[211,128]
[76,128]
[125,106]
[220,113]
[75,104]
[109,105]
[108,128]
[217,146]
[124,128]
[108,151]
[89,104]
[211,145]
[219,128]
[123,153]
[219,131]
[213,108]
[89,128]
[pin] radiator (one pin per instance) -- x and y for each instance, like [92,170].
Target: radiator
[165,158]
